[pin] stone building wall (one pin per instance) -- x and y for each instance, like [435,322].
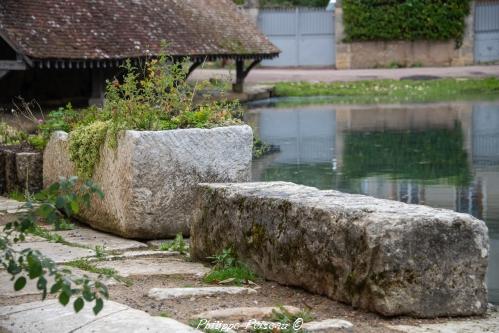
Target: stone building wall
[404,53]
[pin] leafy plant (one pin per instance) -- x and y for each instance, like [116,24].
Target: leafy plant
[62,200]
[178,245]
[100,252]
[223,260]
[228,268]
[31,264]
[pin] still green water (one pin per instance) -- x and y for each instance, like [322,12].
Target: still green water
[442,155]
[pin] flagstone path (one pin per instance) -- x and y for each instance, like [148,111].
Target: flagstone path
[166,293]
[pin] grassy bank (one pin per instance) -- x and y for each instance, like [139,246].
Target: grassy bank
[394,91]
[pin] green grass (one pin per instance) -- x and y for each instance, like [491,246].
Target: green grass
[100,252]
[17,195]
[394,91]
[240,274]
[178,245]
[165,314]
[86,265]
[51,237]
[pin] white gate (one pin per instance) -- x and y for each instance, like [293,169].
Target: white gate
[305,36]
[486,31]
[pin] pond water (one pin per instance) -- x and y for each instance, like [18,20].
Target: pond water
[442,155]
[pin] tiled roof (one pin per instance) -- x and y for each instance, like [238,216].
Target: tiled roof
[119,29]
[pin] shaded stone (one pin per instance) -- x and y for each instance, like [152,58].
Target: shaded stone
[380,255]
[92,238]
[149,179]
[154,266]
[20,170]
[172,293]
[244,313]
[328,326]
[29,167]
[59,253]
[49,316]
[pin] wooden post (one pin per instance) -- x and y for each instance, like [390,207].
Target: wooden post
[238,87]
[98,87]
[241,74]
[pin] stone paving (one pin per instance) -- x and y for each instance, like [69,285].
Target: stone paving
[50,316]
[273,75]
[135,259]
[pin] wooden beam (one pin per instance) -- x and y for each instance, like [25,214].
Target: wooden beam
[3,73]
[12,65]
[193,67]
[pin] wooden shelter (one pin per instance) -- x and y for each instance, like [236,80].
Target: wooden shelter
[49,46]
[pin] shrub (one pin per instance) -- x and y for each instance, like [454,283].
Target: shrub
[84,146]
[371,20]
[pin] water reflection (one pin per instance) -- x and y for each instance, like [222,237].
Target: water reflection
[442,155]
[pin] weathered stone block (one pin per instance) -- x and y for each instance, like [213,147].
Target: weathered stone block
[29,167]
[149,179]
[380,255]
[20,170]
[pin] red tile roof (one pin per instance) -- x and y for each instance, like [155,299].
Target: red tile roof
[119,29]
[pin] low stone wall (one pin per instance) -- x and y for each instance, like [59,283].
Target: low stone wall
[149,179]
[20,170]
[380,255]
[358,55]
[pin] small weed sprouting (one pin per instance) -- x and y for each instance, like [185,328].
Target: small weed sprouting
[165,314]
[178,245]
[100,252]
[228,268]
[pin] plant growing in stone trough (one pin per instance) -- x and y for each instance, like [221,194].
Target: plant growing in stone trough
[62,200]
[155,98]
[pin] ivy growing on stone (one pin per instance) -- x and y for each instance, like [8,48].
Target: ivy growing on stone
[386,20]
[56,205]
